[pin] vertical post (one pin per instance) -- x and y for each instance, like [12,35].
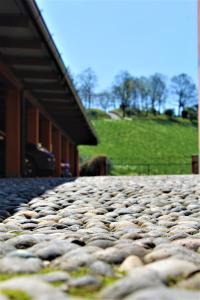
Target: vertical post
[23,133]
[71,156]
[199,85]
[77,167]
[33,125]
[57,149]
[46,134]
[65,150]
[13,136]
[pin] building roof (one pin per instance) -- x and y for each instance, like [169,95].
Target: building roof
[31,54]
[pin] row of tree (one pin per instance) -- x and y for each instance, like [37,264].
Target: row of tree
[146,94]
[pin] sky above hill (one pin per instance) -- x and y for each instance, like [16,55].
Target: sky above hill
[140,36]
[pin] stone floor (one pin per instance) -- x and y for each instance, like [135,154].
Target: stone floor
[132,238]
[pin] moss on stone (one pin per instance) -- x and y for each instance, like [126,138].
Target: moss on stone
[87,295]
[80,272]
[172,281]
[46,271]
[92,295]
[109,280]
[15,294]
[4,276]
[56,283]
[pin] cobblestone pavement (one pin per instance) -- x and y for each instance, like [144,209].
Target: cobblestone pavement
[133,238]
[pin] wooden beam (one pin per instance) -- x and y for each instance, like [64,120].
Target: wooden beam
[60,104]
[70,117]
[7,20]
[20,43]
[50,86]
[50,95]
[63,110]
[37,74]
[27,60]
[56,101]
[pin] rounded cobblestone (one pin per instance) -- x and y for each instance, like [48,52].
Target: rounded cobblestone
[116,237]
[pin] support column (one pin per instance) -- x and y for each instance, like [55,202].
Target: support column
[46,134]
[71,158]
[103,166]
[65,150]
[57,149]
[76,162]
[13,136]
[33,125]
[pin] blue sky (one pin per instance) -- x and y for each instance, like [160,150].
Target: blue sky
[140,36]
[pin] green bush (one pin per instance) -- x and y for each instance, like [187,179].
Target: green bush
[169,112]
[97,114]
[93,167]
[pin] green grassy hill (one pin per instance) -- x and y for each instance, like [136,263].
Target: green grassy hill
[145,146]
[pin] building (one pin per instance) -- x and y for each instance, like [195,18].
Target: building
[38,102]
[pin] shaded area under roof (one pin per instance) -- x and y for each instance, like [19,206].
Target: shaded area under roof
[27,47]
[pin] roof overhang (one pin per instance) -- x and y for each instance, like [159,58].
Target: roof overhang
[29,51]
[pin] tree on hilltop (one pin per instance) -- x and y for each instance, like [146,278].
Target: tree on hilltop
[185,90]
[157,91]
[86,83]
[124,90]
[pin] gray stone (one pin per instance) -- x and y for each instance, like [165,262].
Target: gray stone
[171,267]
[20,265]
[4,249]
[101,268]
[130,263]
[167,250]
[23,241]
[190,243]
[139,279]
[111,255]
[56,276]
[164,294]
[71,263]
[101,243]
[37,289]
[21,253]
[87,282]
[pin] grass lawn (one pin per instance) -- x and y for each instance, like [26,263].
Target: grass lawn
[145,146]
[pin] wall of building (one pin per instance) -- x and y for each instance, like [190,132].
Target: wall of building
[38,129]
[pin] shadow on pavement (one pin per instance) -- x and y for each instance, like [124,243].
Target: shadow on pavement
[15,192]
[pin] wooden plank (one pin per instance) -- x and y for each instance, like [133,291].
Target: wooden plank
[65,111]
[50,86]
[55,101]
[28,60]
[49,95]
[13,20]
[37,74]
[20,43]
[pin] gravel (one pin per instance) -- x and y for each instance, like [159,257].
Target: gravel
[133,238]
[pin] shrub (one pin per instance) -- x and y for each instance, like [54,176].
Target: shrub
[97,114]
[132,112]
[169,112]
[96,166]
[184,114]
